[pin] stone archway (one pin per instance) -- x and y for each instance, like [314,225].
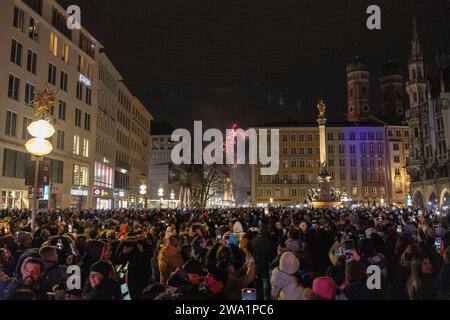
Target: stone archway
[445,198]
[432,199]
[418,201]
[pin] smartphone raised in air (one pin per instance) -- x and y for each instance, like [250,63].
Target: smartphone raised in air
[349,246]
[249,294]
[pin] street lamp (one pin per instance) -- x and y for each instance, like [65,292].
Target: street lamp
[160,194]
[38,146]
[143,192]
[172,197]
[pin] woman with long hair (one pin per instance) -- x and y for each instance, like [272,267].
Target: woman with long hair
[420,283]
[404,270]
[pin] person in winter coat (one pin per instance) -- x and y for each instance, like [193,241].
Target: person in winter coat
[264,251]
[92,253]
[404,271]
[53,273]
[29,277]
[284,282]
[443,280]
[241,273]
[100,286]
[355,279]
[135,252]
[169,258]
[420,285]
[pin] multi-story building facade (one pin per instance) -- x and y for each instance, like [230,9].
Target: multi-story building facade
[366,155]
[365,161]
[39,49]
[165,176]
[429,122]
[105,144]
[140,150]
[102,130]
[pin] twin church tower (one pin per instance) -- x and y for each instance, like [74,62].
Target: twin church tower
[392,102]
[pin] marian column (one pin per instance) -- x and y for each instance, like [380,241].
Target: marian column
[321,107]
[324,197]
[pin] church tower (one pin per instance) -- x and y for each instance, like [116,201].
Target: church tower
[358,91]
[391,90]
[416,87]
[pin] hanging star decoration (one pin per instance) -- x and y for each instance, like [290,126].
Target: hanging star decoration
[43,101]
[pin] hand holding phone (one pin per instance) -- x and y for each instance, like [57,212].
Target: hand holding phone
[249,294]
[349,246]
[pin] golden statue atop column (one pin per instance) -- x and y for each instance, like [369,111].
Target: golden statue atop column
[322,108]
[324,197]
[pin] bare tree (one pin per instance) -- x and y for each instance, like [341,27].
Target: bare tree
[206,180]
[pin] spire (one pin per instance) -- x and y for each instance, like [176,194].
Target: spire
[416,48]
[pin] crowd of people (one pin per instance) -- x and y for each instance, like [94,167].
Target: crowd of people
[189,254]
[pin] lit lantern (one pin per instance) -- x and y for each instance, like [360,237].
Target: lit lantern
[41,129]
[38,146]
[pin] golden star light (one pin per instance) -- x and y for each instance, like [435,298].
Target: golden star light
[43,101]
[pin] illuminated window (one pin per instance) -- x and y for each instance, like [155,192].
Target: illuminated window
[354,191]
[365,191]
[65,53]
[76,144]
[85,148]
[103,175]
[373,191]
[54,44]
[80,175]
[90,71]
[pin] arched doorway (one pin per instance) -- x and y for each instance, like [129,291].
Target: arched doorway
[418,200]
[432,200]
[445,198]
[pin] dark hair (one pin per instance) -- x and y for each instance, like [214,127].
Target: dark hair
[34,261]
[152,291]
[365,248]
[186,251]
[354,271]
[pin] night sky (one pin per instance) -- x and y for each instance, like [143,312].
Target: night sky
[232,60]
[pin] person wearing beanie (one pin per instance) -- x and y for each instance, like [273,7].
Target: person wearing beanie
[137,253]
[100,286]
[284,282]
[323,288]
